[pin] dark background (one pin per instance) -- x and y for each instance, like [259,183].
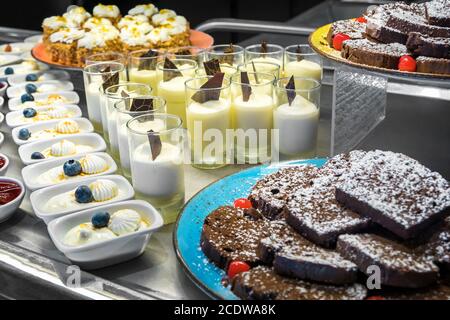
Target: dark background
[29,15]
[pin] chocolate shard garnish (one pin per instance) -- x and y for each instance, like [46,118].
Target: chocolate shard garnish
[254,70]
[245,86]
[155,143]
[141,104]
[111,81]
[298,51]
[228,55]
[264,46]
[148,64]
[212,67]
[170,70]
[290,90]
[183,52]
[215,82]
[125,95]
[105,72]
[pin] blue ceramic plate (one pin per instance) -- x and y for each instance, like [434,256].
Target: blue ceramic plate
[190,222]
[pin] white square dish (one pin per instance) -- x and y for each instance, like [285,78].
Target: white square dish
[31,173]
[108,252]
[92,140]
[40,197]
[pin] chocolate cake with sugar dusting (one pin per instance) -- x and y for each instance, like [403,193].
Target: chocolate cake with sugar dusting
[396,192]
[411,22]
[421,45]
[439,248]
[438,12]
[262,283]
[294,256]
[433,65]
[353,29]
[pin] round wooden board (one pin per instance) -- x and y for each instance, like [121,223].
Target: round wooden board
[318,41]
[198,39]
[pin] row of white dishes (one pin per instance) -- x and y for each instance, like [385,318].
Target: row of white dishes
[88,209]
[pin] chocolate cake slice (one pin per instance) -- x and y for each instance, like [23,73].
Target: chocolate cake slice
[433,65]
[294,256]
[399,266]
[262,283]
[269,195]
[439,248]
[352,28]
[396,192]
[421,45]
[438,12]
[378,31]
[381,55]
[411,22]
[231,234]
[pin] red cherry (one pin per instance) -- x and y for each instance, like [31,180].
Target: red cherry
[361,19]
[338,39]
[236,267]
[375,298]
[242,203]
[407,63]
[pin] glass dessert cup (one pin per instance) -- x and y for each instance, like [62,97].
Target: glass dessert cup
[187,52]
[156,157]
[273,54]
[108,99]
[302,61]
[222,53]
[124,111]
[262,67]
[171,85]
[225,68]
[296,119]
[96,76]
[142,67]
[106,57]
[252,116]
[208,114]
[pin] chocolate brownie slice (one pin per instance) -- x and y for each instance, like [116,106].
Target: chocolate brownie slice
[411,22]
[269,195]
[294,256]
[396,192]
[381,55]
[421,45]
[438,12]
[439,248]
[399,266]
[230,234]
[352,28]
[385,9]
[262,283]
[433,65]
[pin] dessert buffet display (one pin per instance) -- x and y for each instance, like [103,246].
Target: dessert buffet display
[308,230]
[403,38]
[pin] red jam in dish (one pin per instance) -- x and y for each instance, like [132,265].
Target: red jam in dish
[2,162]
[9,191]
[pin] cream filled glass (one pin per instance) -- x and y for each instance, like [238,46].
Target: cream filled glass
[296,117]
[99,76]
[225,68]
[208,113]
[112,95]
[187,52]
[105,57]
[171,76]
[264,67]
[252,115]
[302,61]
[142,67]
[265,52]
[228,54]
[127,109]
[156,156]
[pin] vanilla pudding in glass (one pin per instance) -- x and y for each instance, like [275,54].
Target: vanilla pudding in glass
[227,54]
[142,67]
[127,109]
[96,77]
[105,57]
[296,117]
[109,98]
[157,167]
[225,68]
[302,61]
[252,116]
[171,84]
[271,53]
[208,113]
[264,67]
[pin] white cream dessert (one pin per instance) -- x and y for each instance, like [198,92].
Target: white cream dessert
[104,226]
[63,127]
[50,100]
[106,11]
[303,68]
[76,16]
[48,87]
[297,124]
[95,23]
[26,67]
[131,20]
[162,16]
[67,35]
[46,114]
[147,10]
[98,37]
[143,76]
[55,23]
[267,68]
[65,148]
[99,191]
[90,164]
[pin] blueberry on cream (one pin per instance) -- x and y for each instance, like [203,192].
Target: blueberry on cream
[26,97]
[29,112]
[31,77]
[72,168]
[30,88]
[24,134]
[83,194]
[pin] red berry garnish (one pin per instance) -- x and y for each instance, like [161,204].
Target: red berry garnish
[407,63]
[236,267]
[375,298]
[361,19]
[338,39]
[242,203]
